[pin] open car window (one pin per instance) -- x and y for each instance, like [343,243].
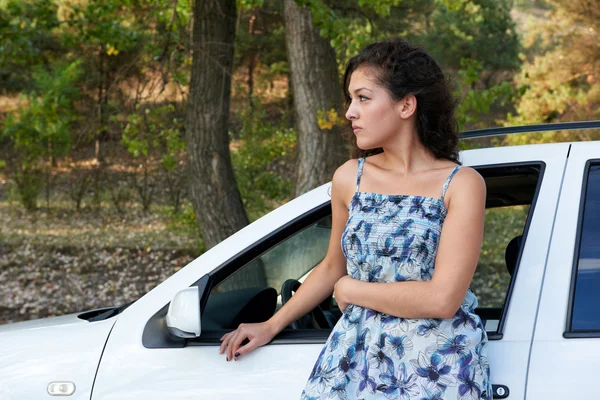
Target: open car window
[511,195]
[234,300]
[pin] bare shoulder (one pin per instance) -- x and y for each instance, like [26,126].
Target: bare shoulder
[344,180]
[345,174]
[467,186]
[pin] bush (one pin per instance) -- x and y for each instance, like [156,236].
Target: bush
[262,160]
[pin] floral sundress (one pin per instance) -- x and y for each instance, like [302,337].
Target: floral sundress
[394,238]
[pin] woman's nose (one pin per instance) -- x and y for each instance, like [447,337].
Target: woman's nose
[351,112]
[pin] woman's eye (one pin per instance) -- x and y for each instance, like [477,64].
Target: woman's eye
[362,98]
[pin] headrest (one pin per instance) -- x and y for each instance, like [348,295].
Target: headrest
[512,253]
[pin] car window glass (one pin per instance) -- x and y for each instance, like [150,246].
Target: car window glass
[292,258]
[586,313]
[252,292]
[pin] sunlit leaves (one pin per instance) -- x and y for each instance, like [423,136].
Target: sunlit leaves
[155,130]
[327,119]
[561,83]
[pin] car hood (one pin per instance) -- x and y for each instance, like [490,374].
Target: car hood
[60,349]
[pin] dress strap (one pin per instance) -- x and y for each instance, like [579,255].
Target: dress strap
[361,163]
[454,171]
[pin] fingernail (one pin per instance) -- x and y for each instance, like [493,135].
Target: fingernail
[236,355]
[226,358]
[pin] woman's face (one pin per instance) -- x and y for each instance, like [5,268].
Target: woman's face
[375,116]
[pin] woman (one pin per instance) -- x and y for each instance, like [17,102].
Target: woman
[407,230]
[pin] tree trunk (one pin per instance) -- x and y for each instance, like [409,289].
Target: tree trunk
[316,87]
[213,189]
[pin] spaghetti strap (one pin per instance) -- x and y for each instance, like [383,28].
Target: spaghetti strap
[454,171]
[361,162]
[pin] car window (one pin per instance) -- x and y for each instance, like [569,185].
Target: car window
[502,239]
[252,292]
[511,194]
[292,258]
[586,297]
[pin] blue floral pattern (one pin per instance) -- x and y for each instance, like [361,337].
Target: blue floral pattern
[394,238]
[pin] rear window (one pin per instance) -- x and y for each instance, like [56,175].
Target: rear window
[586,296]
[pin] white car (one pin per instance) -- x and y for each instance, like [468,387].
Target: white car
[542,314]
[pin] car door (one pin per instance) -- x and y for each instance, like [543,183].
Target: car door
[510,341]
[564,359]
[140,363]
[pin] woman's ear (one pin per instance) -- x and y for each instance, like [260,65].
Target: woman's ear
[407,106]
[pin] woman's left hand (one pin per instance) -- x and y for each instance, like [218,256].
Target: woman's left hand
[341,291]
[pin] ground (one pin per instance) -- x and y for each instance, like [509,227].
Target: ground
[58,262]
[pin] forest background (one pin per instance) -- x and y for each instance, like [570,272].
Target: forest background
[128,127]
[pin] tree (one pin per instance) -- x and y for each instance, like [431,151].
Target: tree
[213,190]
[561,84]
[40,130]
[482,30]
[316,87]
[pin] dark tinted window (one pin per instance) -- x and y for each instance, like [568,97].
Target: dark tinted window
[586,302]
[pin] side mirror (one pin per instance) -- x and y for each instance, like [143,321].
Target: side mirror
[183,317]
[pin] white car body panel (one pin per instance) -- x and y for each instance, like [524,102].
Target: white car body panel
[35,353]
[564,368]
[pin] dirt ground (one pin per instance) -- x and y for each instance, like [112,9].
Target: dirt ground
[58,262]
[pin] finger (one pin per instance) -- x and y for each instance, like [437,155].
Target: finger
[248,347]
[224,341]
[237,342]
[231,345]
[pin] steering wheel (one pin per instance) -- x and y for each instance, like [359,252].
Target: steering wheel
[288,288]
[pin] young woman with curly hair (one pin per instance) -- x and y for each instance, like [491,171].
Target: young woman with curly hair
[405,240]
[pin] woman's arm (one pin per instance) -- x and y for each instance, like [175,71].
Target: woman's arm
[317,286]
[455,263]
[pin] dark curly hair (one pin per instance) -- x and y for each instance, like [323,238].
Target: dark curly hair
[404,69]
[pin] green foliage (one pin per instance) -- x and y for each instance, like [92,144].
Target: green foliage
[99,26]
[42,128]
[476,29]
[259,163]
[156,131]
[477,102]
[351,25]
[26,40]
[184,222]
[249,4]
[152,130]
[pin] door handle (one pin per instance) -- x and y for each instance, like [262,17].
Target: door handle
[500,391]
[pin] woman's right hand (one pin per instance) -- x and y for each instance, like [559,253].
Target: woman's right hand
[257,335]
